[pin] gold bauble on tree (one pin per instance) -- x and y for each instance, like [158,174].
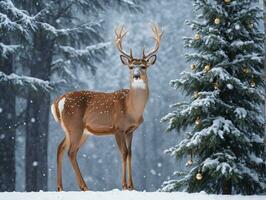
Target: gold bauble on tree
[216,85]
[245,69]
[199,176]
[198,121]
[227,1]
[197,36]
[250,25]
[217,21]
[196,94]
[189,162]
[207,68]
[193,66]
[252,83]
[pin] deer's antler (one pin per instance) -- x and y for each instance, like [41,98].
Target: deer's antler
[119,32]
[157,37]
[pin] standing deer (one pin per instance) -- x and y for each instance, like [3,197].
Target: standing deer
[84,113]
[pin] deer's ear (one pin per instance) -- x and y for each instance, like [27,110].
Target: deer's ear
[151,60]
[124,60]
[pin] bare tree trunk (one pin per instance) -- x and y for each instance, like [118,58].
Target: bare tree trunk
[264,19]
[7,131]
[37,117]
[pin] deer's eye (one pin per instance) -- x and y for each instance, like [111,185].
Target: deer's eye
[143,67]
[130,67]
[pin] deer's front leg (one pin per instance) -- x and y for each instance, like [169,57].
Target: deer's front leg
[120,140]
[130,184]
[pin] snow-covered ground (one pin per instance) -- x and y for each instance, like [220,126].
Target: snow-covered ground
[117,195]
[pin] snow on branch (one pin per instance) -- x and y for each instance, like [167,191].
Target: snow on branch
[88,51]
[7,24]
[130,4]
[241,44]
[212,6]
[222,161]
[173,185]
[20,16]
[7,49]
[218,129]
[88,30]
[23,85]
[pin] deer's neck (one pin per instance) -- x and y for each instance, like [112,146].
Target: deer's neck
[138,97]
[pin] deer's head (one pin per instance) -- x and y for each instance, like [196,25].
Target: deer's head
[138,66]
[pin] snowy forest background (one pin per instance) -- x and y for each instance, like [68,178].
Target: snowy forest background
[68,45]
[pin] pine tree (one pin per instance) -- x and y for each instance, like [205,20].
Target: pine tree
[12,30]
[224,115]
[50,40]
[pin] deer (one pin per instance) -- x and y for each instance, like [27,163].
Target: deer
[120,113]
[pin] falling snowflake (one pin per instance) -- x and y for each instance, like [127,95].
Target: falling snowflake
[152,171]
[1,110]
[32,120]
[34,163]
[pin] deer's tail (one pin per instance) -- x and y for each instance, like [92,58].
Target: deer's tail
[55,110]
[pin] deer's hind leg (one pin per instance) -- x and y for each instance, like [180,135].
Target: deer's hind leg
[60,153]
[76,140]
[74,128]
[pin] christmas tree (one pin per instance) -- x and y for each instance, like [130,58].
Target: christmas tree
[224,117]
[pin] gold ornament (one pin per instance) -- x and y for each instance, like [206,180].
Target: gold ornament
[189,162]
[227,1]
[207,68]
[197,36]
[245,69]
[250,25]
[198,122]
[199,176]
[217,21]
[252,83]
[196,94]
[216,85]
[193,66]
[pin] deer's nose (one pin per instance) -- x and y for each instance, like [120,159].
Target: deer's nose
[136,74]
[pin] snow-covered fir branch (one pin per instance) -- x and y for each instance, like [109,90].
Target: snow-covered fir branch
[7,49]
[24,85]
[87,52]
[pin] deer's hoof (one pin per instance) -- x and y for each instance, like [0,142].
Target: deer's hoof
[130,187]
[59,188]
[124,187]
[84,188]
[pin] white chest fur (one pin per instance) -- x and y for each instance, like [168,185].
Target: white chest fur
[138,84]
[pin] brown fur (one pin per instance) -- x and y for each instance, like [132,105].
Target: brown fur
[119,113]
